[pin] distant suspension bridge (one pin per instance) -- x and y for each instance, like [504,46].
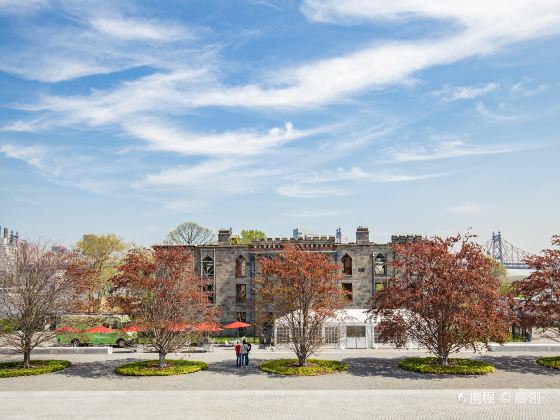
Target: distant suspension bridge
[509,255]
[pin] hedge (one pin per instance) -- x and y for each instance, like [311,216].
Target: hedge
[550,362]
[314,367]
[151,368]
[454,366]
[38,367]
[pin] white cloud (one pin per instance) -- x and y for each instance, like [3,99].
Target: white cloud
[138,29]
[302,191]
[527,87]
[32,155]
[241,143]
[304,185]
[447,149]
[19,7]
[481,108]
[192,175]
[465,209]
[90,43]
[66,167]
[456,93]
[486,28]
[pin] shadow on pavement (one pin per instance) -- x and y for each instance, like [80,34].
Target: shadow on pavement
[520,364]
[379,366]
[102,369]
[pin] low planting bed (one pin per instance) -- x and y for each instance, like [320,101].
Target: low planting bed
[313,367]
[454,366]
[151,368]
[38,367]
[550,362]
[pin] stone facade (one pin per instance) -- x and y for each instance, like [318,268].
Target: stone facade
[231,269]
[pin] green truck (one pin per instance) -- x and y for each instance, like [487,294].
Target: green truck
[71,330]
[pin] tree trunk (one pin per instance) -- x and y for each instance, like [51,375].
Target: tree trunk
[443,359]
[301,360]
[162,363]
[26,359]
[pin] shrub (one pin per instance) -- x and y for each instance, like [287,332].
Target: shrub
[38,367]
[550,362]
[314,367]
[455,366]
[150,368]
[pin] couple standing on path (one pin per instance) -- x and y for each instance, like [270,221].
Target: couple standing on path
[242,353]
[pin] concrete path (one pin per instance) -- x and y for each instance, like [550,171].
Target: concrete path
[372,370]
[443,404]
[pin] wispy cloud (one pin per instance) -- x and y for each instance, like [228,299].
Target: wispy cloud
[528,87]
[88,43]
[18,7]
[481,108]
[447,149]
[32,155]
[456,93]
[309,185]
[465,209]
[165,138]
[66,167]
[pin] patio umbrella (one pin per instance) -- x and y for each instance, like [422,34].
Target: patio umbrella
[208,327]
[99,329]
[237,324]
[67,329]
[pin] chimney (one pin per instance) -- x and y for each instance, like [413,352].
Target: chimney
[224,236]
[362,235]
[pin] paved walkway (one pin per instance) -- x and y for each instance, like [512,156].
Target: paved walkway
[444,404]
[369,370]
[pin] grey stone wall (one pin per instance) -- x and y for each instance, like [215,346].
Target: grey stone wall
[363,277]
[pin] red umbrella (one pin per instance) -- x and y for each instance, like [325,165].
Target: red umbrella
[133,328]
[208,327]
[99,329]
[67,329]
[237,324]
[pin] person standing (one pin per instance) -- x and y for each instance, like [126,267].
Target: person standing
[245,349]
[238,354]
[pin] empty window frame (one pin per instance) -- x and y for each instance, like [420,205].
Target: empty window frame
[240,293]
[208,266]
[380,266]
[347,287]
[347,264]
[209,289]
[240,267]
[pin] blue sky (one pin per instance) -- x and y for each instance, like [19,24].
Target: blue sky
[408,117]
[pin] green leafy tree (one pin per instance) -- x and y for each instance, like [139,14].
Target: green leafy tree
[102,254]
[189,233]
[499,272]
[248,236]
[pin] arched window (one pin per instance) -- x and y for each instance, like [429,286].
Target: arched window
[208,266]
[347,264]
[380,266]
[240,267]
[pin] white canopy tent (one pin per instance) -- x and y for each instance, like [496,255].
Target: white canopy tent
[349,328]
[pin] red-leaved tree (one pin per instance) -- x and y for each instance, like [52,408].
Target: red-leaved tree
[444,297]
[158,288]
[540,292]
[301,290]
